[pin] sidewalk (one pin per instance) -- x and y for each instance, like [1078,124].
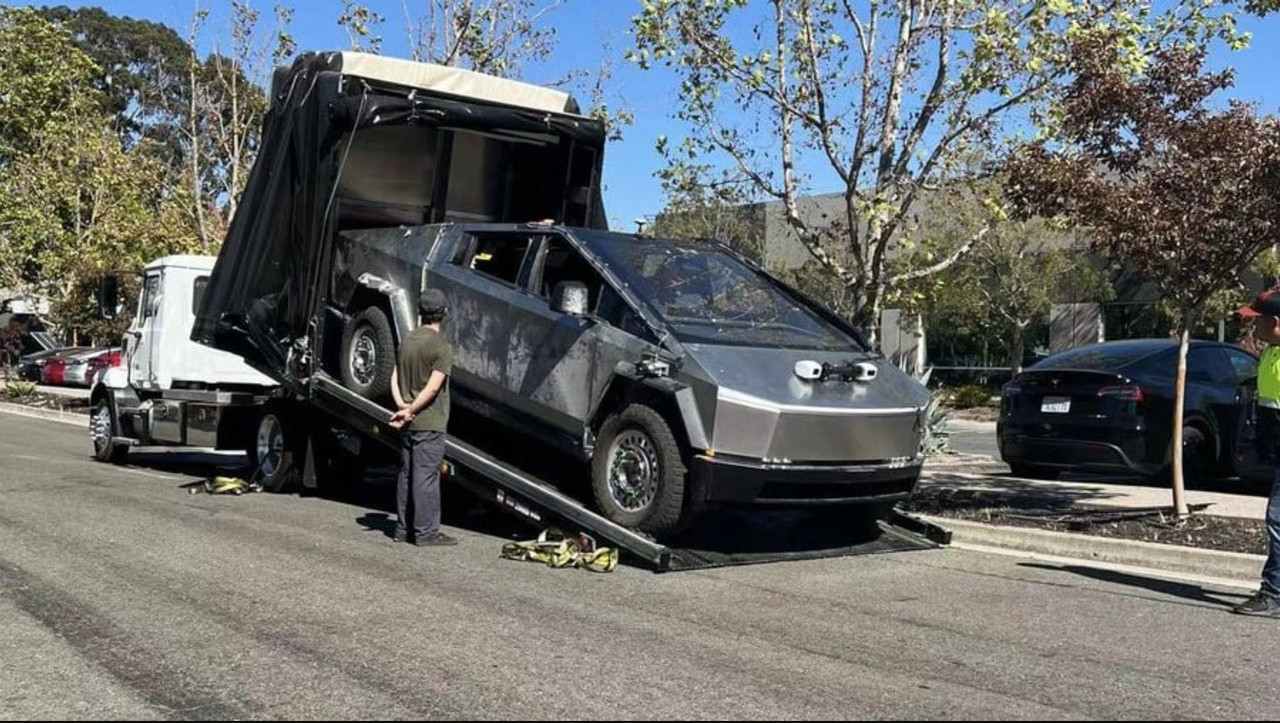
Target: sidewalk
[1100,492]
[1234,569]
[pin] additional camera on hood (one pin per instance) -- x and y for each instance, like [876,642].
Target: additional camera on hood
[810,370]
[848,372]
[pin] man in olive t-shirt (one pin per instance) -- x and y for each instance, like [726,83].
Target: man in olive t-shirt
[420,387]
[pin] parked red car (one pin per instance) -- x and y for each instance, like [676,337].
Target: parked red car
[55,370]
[99,364]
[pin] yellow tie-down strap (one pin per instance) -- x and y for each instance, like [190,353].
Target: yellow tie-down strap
[553,549]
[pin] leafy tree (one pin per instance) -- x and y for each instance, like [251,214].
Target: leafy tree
[1011,281]
[76,202]
[1182,193]
[885,100]
[140,67]
[226,105]
[43,80]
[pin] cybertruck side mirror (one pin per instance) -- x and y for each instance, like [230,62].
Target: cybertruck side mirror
[570,297]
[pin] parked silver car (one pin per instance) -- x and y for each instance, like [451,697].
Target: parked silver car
[77,371]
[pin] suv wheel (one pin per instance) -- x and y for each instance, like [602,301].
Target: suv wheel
[368,354]
[637,471]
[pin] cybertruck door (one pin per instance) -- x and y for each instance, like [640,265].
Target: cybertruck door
[552,356]
[480,279]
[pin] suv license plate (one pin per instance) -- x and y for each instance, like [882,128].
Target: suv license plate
[1055,405]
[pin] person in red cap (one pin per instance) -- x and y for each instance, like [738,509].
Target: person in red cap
[1265,313]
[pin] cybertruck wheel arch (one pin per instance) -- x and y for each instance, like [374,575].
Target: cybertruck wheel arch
[673,400]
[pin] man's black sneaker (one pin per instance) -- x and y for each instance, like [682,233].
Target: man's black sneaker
[1261,604]
[438,540]
[400,537]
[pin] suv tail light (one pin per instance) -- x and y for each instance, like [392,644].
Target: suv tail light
[1125,393]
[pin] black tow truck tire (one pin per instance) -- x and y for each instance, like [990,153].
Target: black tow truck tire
[102,426]
[274,455]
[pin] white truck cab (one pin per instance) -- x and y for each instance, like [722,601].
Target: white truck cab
[170,390]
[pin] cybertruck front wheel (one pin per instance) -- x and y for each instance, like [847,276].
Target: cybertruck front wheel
[637,471]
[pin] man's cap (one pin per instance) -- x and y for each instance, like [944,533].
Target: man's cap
[1267,304]
[432,303]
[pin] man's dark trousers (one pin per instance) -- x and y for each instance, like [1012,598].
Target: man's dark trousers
[418,489]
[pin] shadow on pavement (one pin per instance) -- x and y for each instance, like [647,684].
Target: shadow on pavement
[1184,590]
[375,493]
[970,493]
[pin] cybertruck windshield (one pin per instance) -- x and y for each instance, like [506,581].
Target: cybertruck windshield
[708,296]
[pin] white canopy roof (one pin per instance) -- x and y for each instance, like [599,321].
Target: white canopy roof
[454,81]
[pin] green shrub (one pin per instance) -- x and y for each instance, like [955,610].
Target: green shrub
[936,436]
[17,389]
[970,396]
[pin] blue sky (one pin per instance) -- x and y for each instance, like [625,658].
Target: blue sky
[586,28]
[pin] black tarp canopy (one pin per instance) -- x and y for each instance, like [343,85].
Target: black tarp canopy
[356,141]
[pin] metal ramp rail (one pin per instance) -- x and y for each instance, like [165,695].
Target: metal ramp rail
[489,478]
[526,495]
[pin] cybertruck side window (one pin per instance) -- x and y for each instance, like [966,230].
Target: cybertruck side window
[561,262]
[499,257]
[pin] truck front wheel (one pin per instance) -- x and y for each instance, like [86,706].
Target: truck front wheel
[368,354]
[101,430]
[637,471]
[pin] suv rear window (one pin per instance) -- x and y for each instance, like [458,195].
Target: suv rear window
[1097,357]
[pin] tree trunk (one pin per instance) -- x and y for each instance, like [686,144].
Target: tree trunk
[922,355]
[1179,404]
[1017,348]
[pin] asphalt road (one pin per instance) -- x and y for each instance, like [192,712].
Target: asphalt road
[123,596]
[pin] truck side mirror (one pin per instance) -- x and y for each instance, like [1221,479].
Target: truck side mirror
[108,296]
[570,297]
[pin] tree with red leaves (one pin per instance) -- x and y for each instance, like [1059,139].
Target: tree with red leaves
[1183,193]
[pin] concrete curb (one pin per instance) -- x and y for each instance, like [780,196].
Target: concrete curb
[49,415]
[1236,566]
[959,459]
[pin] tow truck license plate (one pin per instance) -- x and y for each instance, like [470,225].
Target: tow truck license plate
[1055,405]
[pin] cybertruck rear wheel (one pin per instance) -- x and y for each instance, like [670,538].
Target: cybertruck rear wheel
[368,354]
[638,473]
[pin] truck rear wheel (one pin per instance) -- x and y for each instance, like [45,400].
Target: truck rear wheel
[637,471]
[272,454]
[368,354]
[101,431]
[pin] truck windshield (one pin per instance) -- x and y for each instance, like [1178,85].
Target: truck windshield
[708,296]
